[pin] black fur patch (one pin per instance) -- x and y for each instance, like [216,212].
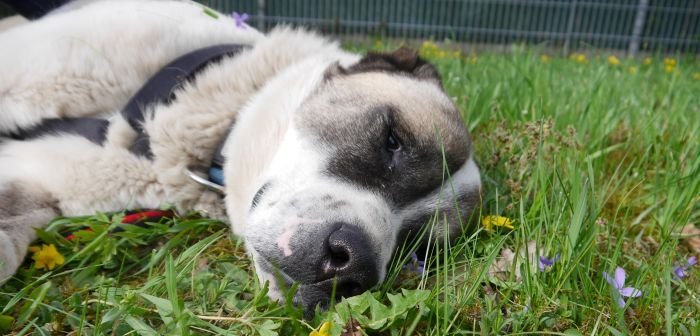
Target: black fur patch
[259,194]
[361,158]
[92,129]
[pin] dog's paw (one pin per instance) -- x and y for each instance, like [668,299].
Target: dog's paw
[16,232]
[211,205]
[9,260]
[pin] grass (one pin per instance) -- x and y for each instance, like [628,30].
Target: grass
[594,162]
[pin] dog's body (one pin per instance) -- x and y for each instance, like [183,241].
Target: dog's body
[331,161]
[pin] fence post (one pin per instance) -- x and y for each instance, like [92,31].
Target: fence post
[570,27]
[639,20]
[261,15]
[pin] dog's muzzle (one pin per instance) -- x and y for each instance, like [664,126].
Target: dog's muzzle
[338,261]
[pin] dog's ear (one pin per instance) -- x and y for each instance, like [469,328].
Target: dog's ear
[333,70]
[403,60]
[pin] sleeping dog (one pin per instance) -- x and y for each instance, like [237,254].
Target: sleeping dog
[324,161]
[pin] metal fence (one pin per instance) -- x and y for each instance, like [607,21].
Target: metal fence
[628,25]
[633,26]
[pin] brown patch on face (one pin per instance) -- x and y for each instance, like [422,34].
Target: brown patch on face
[403,61]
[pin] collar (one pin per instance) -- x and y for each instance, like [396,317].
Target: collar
[160,89]
[215,173]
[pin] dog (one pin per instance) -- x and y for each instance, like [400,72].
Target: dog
[331,160]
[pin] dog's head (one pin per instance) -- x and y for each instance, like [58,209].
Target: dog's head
[374,152]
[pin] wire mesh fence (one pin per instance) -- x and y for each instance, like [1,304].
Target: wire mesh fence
[628,25]
[632,26]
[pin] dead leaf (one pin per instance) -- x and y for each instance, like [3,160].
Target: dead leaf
[691,237]
[352,329]
[504,264]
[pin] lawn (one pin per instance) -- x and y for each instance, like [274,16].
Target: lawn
[592,162]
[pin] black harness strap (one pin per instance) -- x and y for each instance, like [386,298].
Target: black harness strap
[160,89]
[34,9]
[92,129]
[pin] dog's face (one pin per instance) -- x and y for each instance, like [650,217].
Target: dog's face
[370,157]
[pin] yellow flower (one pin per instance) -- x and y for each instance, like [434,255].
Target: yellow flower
[324,330]
[580,58]
[545,58]
[429,45]
[472,59]
[669,68]
[488,222]
[647,61]
[669,62]
[696,75]
[632,70]
[613,60]
[46,256]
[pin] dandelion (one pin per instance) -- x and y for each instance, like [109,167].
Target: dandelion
[647,61]
[632,70]
[429,45]
[579,58]
[488,222]
[473,59]
[240,19]
[613,60]
[696,75]
[670,62]
[618,283]
[681,271]
[46,256]
[545,58]
[545,262]
[324,330]
[429,49]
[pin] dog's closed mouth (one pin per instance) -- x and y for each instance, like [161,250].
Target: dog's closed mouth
[311,295]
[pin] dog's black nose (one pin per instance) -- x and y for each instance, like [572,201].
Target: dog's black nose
[349,262]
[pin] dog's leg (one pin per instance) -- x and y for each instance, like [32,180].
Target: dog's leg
[23,207]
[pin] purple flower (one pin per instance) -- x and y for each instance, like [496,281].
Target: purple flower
[415,265]
[619,284]
[240,19]
[546,262]
[681,271]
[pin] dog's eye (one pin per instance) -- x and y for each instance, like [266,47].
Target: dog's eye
[392,143]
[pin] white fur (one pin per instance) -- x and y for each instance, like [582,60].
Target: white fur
[11,22]
[88,60]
